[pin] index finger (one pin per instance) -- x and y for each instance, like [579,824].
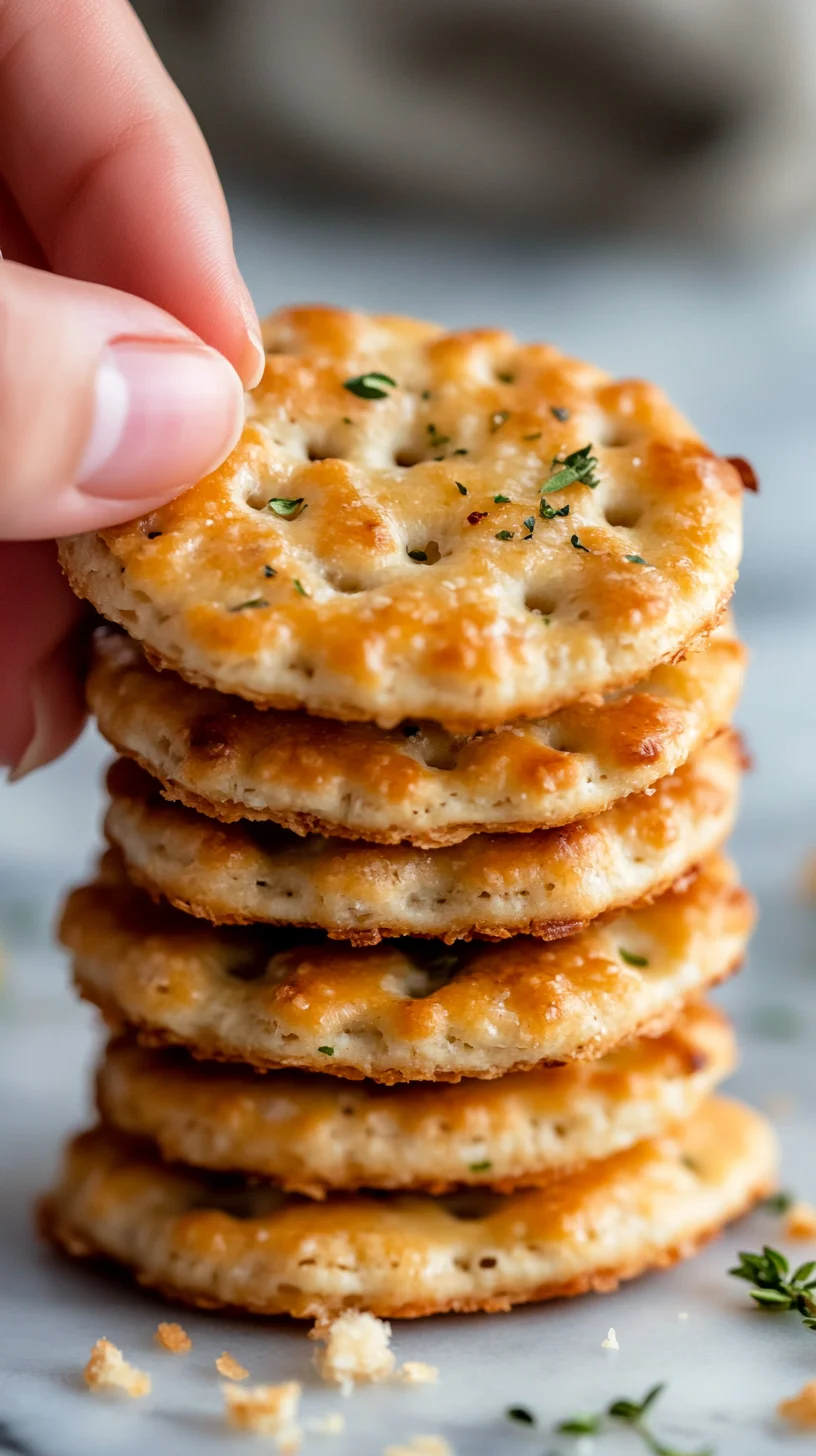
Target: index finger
[110,171]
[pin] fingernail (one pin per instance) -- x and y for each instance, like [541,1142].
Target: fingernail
[164,415]
[254,360]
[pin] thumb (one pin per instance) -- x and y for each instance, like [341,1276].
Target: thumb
[108,406]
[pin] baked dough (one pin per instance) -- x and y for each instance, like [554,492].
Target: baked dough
[416,783]
[312,1134]
[400,1011]
[547,883]
[258,1249]
[395,584]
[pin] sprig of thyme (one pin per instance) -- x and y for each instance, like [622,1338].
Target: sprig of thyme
[775,1287]
[631,1413]
[579,467]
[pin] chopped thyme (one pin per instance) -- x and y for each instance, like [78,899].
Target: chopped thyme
[326,1051]
[632,1413]
[536,435]
[287,508]
[529,525]
[504,535]
[369,385]
[462,489]
[460,451]
[347,420]
[269,571]
[579,545]
[300,588]
[426,394]
[475,517]
[577,468]
[774,1285]
[778,1203]
[581,1425]
[637,560]
[501,500]
[548,512]
[435,440]
[521,1414]
[631,959]
[418,555]
[505,377]
[253,602]
[497,419]
[481,1167]
[560,413]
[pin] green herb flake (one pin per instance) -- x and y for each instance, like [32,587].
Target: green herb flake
[577,468]
[269,571]
[560,413]
[549,513]
[778,1203]
[529,525]
[637,561]
[370,385]
[504,535]
[633,1414]
[462,489]
[289,509]
[631,959]
[521,1414]
[426,394]
[775,1287]
[482,1167]
[347,420]
[245,606]
[581,1425]
[505,377]
[326,1051]
[435,440]
[300,588]
[579,545]
[460,451]
[497,419]
[501,500]
[536,435]
[418,555]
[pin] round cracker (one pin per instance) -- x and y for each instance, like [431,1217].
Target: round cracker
[401,1011]
[403,1255]
[416,783]
[393,589]
[547,883]
[312,1134]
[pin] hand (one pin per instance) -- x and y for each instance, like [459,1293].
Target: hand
[126,329]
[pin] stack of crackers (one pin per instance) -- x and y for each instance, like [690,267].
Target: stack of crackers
[415,886]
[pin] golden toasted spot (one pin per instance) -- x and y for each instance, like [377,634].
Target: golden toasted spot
[107,1369]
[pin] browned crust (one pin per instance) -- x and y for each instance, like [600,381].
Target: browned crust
[60,1233]
[207,1049]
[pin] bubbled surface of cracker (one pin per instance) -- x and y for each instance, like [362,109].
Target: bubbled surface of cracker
[312,1134]
[546,883]
[259,1249]
[401,1011]
[327,609]
[415,782]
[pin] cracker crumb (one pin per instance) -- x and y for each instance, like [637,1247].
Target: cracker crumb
[173,1338]
[422,1446]
[269,1410]
[800,1221]
[416,1372]
[229,1367]
[800,1410]
[107,1369]
[331,1425]
[357,1348]
[611,1341]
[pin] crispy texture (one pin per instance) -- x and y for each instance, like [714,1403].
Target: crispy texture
[404,1255]
[547,883]
[404,1011]
[342,620]
[313,1134]
[417,783]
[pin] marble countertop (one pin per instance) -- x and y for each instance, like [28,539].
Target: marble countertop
[734,341]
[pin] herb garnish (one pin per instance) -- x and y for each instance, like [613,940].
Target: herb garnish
[462,489]
[637,560]
[504,535]
[269,571]
[287,508]
[578,467]
[778,1203]
[630,958]
[418,555]
[327,1051]
[505,377]
[774,1285]
[632,1414]
[560,413]
[548,512]
[347,420]
[481,1167]
[529,525]
[501,500]
[300,588]
[460,451]
[521,1414]
[475,517]
[426,394]
[435,440]
[497,419]
[536,435]
[253,602]
[579,545]
[369,386]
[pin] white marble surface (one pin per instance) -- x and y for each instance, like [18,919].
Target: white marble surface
[734,340]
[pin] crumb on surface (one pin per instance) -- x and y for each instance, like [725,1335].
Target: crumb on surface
[269,1410]
[800,1221]
[229,1367]
[800,1410]
[422,1446]
[174,1338]
[357,1348]
[611,1341]
[107,1369]
[416,1372]
[331,1425]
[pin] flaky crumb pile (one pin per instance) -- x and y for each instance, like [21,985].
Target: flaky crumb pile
[356,1349]
[173,1338]
[800,1221]
[230,1368]
[268,1410]
[107,1369]
[800,1410]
